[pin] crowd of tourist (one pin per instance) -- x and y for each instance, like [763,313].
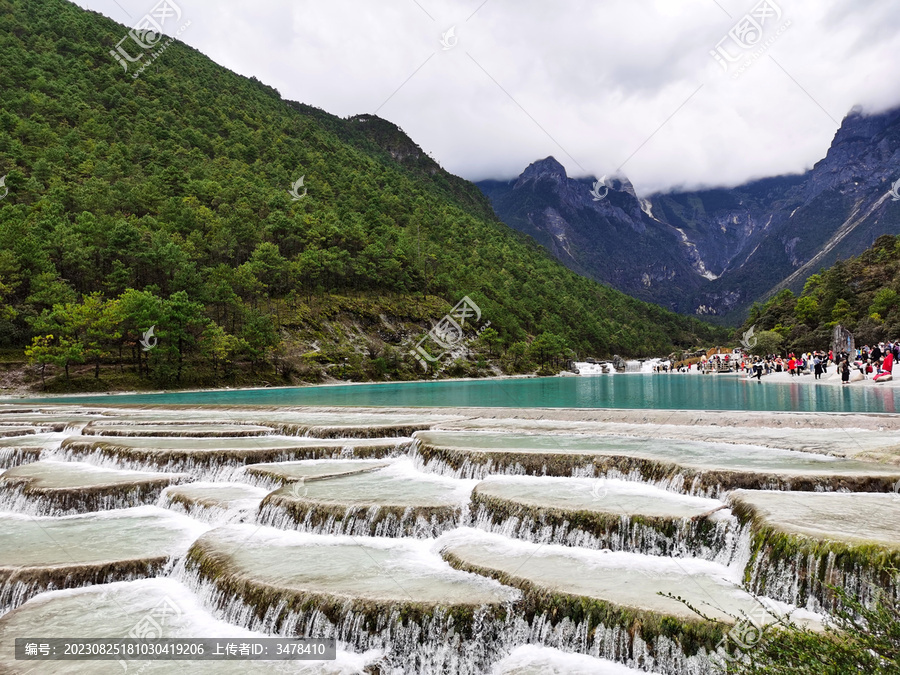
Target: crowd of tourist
[869,361]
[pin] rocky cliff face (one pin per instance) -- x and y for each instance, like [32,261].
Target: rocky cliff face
[713,252]
[610,239]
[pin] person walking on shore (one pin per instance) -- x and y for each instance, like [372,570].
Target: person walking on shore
[845,371]
[817,366]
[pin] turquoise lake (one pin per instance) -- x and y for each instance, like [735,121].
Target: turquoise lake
[650,391]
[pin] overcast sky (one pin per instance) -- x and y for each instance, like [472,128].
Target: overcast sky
[605,86]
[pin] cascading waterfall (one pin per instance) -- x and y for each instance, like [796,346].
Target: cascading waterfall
[804,580]
[213,515]
[468,470]
[474,470]
[357,432]
[14,594]
[10,457]
[361,521]
[65,503]
[442,640]
[23,585]
[209,465]
[429,644]
[613,644]
[724,541]
[434,644]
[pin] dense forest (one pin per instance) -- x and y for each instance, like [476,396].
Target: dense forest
[862,294]
[161,198]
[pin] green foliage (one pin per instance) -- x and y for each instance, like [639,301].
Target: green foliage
[167,196]
[96,329]
[885,301]
[490,339]
[861,639]
[841,313]
[57,350]
[549,351]
[516,358]
[807,310]
[862,294]
[767,342]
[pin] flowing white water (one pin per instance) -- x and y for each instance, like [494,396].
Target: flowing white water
[609,514]
[275,474]
[656,533]
[585,368]
[372,568]
[535,660]
[625,578]
[392,501]
[213,459]
[477,454]
[18,450]
[434,644]
[43,552]
[54,488]
[214,503]
[163,606]
[826,519]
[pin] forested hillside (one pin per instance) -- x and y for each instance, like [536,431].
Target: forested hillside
[862,294]
[163,200]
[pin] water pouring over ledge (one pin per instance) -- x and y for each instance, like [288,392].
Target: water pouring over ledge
[434,646]
[165,607]
[48,552]
[54,488]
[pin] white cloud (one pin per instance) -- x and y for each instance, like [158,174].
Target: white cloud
[592,83]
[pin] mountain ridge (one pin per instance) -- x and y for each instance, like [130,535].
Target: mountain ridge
[716,251]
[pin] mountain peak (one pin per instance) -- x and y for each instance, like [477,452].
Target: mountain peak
[548,167]
[392,139]
[859,126]
[621,183]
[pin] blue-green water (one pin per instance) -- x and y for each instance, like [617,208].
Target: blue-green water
[651,391]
